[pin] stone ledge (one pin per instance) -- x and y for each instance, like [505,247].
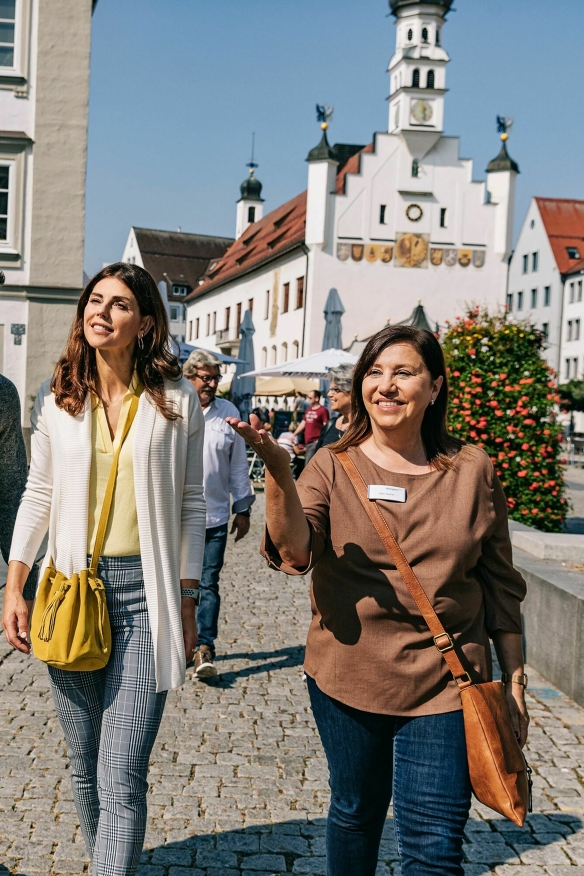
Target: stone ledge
[553,617]
[547,545]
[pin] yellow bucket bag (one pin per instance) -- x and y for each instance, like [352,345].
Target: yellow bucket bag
[70,626]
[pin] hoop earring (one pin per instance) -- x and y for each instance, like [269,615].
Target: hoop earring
[141,346]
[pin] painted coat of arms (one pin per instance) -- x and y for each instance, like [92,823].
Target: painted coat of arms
[371,252]
[357,252]
[478,257]
[411,250]
[386,254]
[343,251]
[436,256]
[464,257]
[450,257]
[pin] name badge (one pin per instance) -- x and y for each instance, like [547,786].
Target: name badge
[387,494]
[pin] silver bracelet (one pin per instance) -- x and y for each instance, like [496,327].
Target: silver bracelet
[191,593]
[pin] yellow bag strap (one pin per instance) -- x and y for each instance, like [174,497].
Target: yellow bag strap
[109,492]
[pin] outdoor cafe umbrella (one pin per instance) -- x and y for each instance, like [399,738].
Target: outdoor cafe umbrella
[333,330]
[243,384]
[314,366]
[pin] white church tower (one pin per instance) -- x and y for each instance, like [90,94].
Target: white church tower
[418,73]
[250,207]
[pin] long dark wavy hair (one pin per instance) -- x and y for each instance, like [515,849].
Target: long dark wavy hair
[76,371]
[439,444]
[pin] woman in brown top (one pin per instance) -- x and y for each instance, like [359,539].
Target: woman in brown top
[387,709]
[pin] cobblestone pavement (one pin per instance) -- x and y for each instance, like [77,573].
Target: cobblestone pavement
[238,778]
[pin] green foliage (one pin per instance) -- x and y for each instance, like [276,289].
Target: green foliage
[502,398]
[572,395]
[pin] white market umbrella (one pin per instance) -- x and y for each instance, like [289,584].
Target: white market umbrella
[314,366]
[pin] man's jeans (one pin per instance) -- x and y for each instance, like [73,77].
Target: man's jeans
[210,600]
[419,761]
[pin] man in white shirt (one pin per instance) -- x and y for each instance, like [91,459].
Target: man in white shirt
[225,473]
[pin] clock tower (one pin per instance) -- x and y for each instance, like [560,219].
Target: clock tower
[418,73]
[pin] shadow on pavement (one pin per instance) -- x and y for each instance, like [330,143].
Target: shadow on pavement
[298,846]
[283,658]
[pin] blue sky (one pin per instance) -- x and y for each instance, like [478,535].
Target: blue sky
[178,86]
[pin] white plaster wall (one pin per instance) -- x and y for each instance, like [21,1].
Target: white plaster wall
[132,254]
[289,326]
[573,349]
[536,240]
[15,311]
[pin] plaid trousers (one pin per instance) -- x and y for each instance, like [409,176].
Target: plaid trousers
[110,719]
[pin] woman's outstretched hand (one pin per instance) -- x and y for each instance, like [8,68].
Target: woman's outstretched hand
[276,458]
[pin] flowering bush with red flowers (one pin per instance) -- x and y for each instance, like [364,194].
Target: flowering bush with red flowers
[502,398]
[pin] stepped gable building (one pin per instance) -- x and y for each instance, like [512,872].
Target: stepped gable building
[546,280]
[386,224]
[176,259]
[44,87]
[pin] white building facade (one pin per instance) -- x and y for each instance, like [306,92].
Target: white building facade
[546,281]
[44,85]
[400,220]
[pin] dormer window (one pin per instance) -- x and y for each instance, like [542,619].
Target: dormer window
[180,290]
[573,252]
[416,78]
[424,34]
[410,35]
[431,81]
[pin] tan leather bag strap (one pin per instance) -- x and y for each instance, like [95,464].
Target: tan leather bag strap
[442,639]
[109,490]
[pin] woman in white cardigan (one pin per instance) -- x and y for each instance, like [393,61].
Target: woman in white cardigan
[153,550]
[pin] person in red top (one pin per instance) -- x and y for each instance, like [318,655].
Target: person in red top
[313,422]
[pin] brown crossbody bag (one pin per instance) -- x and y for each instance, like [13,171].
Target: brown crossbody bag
[499,774]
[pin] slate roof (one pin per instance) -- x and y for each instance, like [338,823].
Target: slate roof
[177,256]
[563,220]
[279,232]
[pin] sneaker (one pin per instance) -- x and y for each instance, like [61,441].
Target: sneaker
[204,666]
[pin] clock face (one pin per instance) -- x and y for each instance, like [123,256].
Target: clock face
[422,111]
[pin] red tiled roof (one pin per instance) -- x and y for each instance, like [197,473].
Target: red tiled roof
[563,220]
[277,233]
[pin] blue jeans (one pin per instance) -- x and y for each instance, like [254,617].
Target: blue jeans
[421,761]
[210,600]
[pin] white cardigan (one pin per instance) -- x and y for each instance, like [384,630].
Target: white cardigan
[168,478]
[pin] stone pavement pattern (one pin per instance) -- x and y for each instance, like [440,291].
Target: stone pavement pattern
[238,778]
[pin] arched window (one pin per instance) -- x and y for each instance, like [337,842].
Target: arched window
[274,355]
[264,356]
[431,81]
[415,168]
[284,352]
[295,349]
[410,35]
[424,34]
[416,79]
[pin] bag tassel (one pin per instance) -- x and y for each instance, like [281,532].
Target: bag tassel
[50,614]
[99,591]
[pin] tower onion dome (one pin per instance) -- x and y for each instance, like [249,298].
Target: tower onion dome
[396,5]
[251,188]
[503,161]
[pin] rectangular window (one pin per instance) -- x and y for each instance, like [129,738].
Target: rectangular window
[520,301]
[174,313]
[545,329]
[525,263]
[214,322]
[382,210]
[286,298]
[300,293]
[575,367]
[573,252]
[227,317]
[190,330]
[576,329]
[250,305]
[7,30]
[534,298]
[572,292]
[197,325]
[579,293]
[208,324]
[510,301]
[567,369]
[238,323]
[176,290]
[267,309]
[569,331]
[534,261]
[443,217]
[251,211]
[547,296]
[4,192]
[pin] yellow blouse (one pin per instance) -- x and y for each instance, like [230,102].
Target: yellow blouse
[121,537]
